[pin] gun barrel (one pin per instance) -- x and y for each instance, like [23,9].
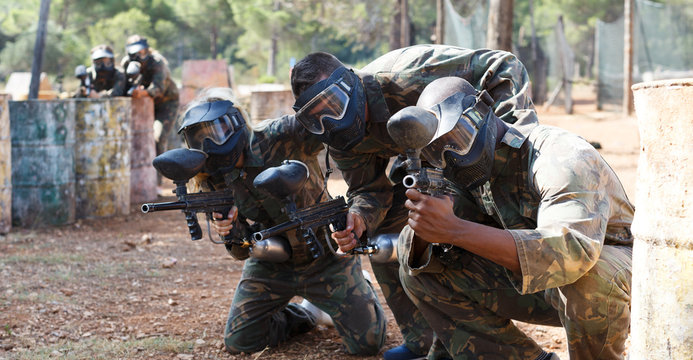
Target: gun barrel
[171,205]
[275,230]
[409,181]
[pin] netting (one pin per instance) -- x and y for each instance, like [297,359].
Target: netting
[466,31]
[662,48]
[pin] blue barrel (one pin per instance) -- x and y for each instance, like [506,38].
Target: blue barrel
[102,157]
[5,166]
[43,177]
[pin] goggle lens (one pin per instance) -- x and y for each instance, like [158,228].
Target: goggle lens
[330,103]
[218,131]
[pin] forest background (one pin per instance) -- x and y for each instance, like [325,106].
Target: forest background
[259,38]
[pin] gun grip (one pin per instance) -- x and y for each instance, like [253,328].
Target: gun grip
[237,234]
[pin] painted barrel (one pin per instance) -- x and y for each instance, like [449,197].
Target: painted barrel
[143,180]
[102,157]
[5,166]
[43,177]
[662,305]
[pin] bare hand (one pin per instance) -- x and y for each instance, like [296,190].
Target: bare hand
[347,239]
[431,218]
[224,225]
[139,92]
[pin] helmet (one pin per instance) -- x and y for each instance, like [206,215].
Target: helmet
[465,141]
[334,109]
[134,45]
[219,130]
[102,58]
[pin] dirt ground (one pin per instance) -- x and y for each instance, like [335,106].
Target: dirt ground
[136,287]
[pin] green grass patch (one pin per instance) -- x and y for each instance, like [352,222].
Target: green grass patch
[108,349]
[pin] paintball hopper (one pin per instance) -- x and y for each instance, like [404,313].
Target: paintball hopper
[284,180]
[80,71]
[412,127]
[133,69]
[180,164]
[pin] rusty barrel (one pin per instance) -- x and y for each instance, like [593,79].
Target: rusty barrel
[102,157]
[662,305]
[143,180]
[5,166]
[43,176]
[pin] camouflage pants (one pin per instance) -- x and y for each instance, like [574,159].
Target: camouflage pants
[165,112]
[261,315]
[418,335]
[470,308]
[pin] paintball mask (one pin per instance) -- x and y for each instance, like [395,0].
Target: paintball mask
[465,141]
[219,130]
[334,109]
[134,48]
[102,58]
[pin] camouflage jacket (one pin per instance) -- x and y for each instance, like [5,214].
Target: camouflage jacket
[106,86]
[155,76]
[394,81]
[272,142]
[558,198]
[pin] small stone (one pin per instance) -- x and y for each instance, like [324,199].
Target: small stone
[169,262]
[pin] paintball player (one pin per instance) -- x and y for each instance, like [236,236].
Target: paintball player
[348,110]
[261,314]
[541,234]
[155,81]
[104,78]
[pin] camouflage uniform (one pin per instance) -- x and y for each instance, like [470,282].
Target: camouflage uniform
[570,218]
[113,86]
[260,314]
[156,79]
[392,82]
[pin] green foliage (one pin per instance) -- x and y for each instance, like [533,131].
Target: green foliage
[115,30]
[241,32]
[267,79]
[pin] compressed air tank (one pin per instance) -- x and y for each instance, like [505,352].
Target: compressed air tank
[662,296]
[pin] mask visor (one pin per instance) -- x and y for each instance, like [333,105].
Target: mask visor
[459,140]
[330,103]
[218,131]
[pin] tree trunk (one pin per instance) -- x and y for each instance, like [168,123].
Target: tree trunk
[405,27]
[440,22]
[213,35]
[38,49]
[500,25]
[271,60]
[401,27]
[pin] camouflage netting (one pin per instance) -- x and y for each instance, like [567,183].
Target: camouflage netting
[662,48]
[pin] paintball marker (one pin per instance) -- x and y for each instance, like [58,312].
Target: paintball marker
[84,78]
[412,128]
[133,76]
[180,165]
[283,182]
